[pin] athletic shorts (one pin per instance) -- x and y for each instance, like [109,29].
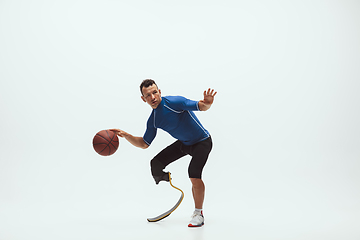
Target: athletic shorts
[199,152]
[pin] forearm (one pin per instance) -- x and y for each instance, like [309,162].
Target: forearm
[136,141]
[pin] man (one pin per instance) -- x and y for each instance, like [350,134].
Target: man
[174,114]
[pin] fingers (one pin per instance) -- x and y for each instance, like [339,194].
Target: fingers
[213,93]
[210,92]
[117,132]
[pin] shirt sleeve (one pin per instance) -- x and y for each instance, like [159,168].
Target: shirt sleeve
[182,103]
[150,132]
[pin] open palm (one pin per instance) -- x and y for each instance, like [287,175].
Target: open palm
[209,96]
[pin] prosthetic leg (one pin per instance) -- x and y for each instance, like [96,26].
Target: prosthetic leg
[166,214]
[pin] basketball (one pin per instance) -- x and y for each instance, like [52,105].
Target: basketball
[105,142]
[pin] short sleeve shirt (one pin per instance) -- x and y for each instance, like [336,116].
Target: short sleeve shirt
[175,115]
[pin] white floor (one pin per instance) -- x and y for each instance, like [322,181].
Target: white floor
[23,224]
[240,212]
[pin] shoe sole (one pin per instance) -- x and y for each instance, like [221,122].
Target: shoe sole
[194,226]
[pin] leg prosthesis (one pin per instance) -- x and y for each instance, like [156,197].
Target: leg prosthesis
[166,214]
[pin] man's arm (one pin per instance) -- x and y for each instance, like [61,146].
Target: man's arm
[136,141]
[205,104]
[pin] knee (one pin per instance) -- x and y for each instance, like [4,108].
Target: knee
[157,171]
[156,167]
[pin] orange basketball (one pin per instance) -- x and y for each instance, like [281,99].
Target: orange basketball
[106,142]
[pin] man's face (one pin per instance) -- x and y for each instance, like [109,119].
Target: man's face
[151,95]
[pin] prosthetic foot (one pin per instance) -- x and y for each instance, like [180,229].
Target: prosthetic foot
[166,214]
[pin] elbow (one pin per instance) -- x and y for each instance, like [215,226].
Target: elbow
[144,145]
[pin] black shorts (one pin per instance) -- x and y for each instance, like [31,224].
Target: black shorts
[199,152]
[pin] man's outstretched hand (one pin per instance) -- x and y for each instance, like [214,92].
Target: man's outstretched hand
[205,104]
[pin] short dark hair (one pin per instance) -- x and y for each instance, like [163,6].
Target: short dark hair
[146,83]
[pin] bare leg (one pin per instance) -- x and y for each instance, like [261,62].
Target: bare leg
[198,190]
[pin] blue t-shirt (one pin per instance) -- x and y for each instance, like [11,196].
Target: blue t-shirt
[175,115]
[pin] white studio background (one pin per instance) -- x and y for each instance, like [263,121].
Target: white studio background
[285,122]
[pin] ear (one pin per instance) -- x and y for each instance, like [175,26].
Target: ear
[160,91]
[143,98]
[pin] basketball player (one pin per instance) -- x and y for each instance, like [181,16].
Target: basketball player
[174,114]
